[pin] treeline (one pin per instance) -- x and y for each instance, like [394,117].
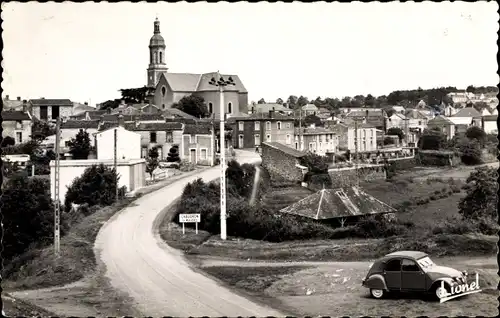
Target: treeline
[405,98]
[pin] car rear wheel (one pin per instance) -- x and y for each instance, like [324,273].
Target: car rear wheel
[377,293]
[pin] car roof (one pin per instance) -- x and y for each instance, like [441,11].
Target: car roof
[409,254]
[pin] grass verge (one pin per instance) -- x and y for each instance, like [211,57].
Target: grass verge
[14,307]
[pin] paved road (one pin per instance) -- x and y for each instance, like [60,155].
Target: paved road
[156,276]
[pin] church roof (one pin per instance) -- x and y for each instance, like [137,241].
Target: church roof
[186,82]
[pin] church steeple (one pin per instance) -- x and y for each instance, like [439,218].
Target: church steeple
[157,64]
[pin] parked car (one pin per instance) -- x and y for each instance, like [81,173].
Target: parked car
[410,271]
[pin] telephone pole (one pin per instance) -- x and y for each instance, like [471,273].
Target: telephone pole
[115,164]
[221,83]
[57,211]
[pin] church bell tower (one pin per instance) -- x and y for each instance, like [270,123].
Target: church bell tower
[157,64]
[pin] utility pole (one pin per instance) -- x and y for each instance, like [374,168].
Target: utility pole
[356,153]
[300,129]
[57,211]
[221,83]
[115,165]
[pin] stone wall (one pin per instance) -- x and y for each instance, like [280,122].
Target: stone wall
[348,177]
[281,166]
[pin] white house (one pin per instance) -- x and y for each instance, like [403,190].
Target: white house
[396,120]
[128,144]
[485,112]
[487,123]
[132,173]
[398,109]
[464,116]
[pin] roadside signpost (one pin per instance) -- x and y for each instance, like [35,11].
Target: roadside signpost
[189,218]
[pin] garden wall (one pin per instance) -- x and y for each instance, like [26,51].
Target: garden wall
[348,177]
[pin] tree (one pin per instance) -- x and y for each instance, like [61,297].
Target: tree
[312,119]
[173,154]
[315,163]
[292,101]
[481,198]
[396,131]
[42,130]
[193,105]
[152,161]
[110,104]
[388,141]
[79,146]
[8,141]
[261,101]
[302,101]
[432,139]
[369,100]
[135,95]
[96,186]
[318,102]
[279,101]
[476,133]
[36,222]
[470,89]
[470,152]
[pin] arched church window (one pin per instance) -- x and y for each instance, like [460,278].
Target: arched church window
[230,107]
[161,57]
[210,107]
[163,91]
[156,57]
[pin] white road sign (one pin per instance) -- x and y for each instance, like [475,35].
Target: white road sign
[189,218]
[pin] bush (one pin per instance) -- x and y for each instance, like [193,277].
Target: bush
[470,152]
[28,215]
[481,198]
[96,186]
[8,141]
[173,154]
[187,166]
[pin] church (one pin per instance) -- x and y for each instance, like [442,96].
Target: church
[169,88]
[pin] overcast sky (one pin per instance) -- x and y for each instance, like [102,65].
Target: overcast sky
[86,52]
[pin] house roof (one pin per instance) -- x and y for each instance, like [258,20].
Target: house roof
[14,115]
[314,131]
[51,102]
[80,124]
[81,108]
[334,203]
[467,112]
[12,104]
[399,115]
[133,117]
[363,113]
[197,129]
[288,150]
[265,108]
[310,107]
[185,82]
[174,112]
[264,116]
[415,114]
[490,118]
[141,126]
[441,118]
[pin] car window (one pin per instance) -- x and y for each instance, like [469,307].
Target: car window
[409,266]
[393,265]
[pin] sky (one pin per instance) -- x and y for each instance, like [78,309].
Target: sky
[87,52]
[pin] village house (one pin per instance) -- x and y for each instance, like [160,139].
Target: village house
[464,116]
[79,108]
[396,120]
[319,140]
[16,124]
[266,108]
[309,109]
[12,104]
[450,111]
[251,131]
[197,144]
[169,88]
[283,162]
[376,118]
[69,129]
[487,123]
[50,109]
[398,109]
[367,136]
[444,124]
[128,143]
[154,134]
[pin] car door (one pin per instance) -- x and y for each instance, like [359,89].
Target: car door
[412,276]
[392,274]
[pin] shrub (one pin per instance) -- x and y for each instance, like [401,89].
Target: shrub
[173,154]
[481,198]
[79,146]
[187,166]
[433,197]
[455,189]
[470,152]
[96,186]
[27,208]
[8,141]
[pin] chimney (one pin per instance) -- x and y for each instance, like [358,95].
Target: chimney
[19,98]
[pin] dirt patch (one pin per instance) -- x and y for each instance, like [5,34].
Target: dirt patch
[336,288]
[14,307]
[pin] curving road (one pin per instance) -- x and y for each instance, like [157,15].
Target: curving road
[156,276]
